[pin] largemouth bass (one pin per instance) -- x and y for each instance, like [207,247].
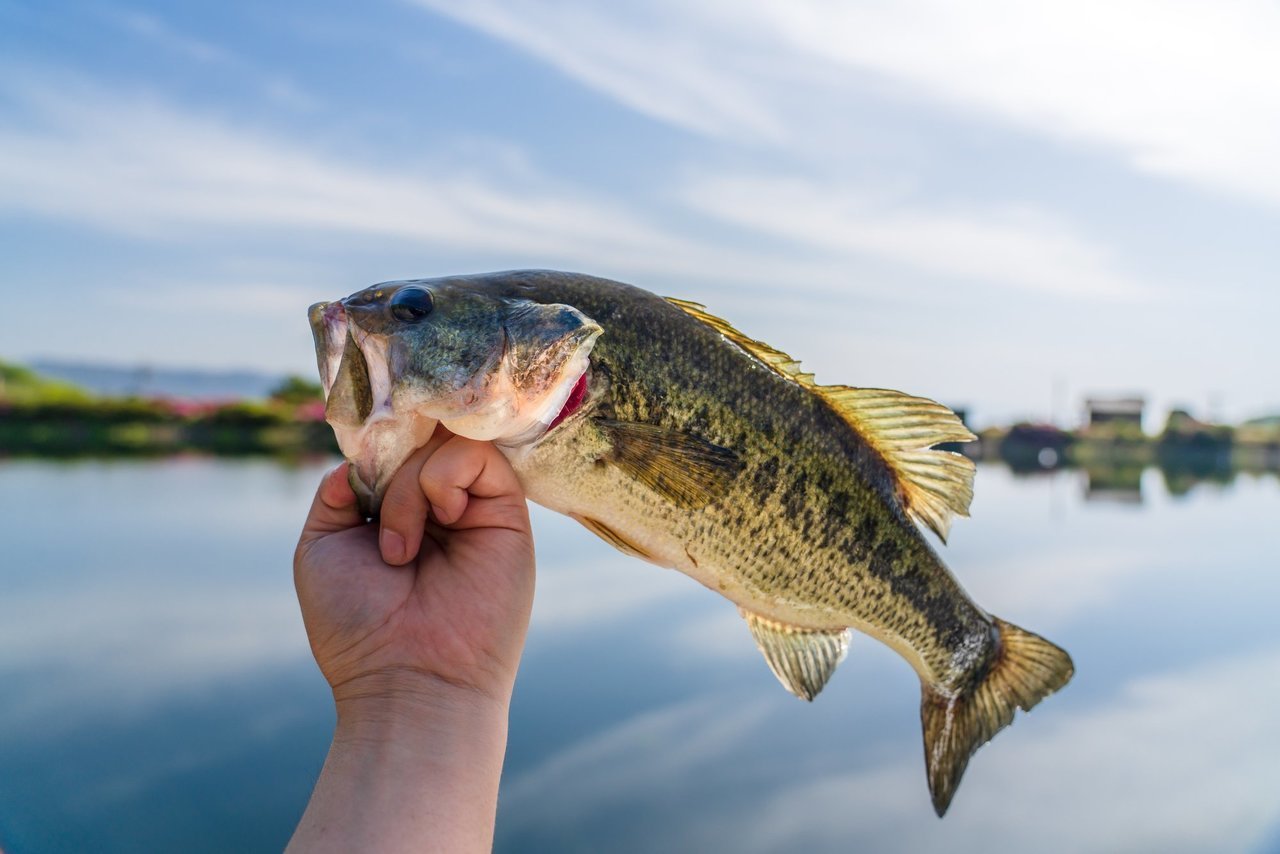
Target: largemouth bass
[679,440]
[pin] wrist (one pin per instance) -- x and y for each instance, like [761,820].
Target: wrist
[415,763]
[398,700]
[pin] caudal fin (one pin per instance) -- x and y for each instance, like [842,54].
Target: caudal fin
[1026,669]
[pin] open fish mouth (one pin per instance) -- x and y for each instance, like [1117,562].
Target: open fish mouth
[355,374]
[329,327]
[354,368]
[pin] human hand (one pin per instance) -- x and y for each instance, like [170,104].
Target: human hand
[417,623]
[434,597]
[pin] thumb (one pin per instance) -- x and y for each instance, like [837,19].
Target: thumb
[334,508]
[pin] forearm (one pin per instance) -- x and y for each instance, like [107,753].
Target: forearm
[411,772]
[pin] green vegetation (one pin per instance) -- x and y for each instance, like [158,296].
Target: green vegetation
[295,390]
[20,385]
[43,417]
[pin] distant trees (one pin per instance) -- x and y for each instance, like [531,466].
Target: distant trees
[295,390]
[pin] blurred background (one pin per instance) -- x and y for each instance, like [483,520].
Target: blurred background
[1058,218]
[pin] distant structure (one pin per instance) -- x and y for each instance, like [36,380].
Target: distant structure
[1113,410]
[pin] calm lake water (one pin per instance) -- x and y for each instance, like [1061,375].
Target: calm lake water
[158,694]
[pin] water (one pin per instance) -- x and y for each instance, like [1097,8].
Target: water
[159,696]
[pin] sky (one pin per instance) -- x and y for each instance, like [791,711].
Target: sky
[1005,206]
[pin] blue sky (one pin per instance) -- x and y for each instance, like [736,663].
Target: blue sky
[975,202]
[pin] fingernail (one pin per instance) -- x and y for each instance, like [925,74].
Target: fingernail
[438,513]
[392,546]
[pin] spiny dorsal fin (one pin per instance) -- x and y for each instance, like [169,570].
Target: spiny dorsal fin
[802,659]
[774,359]
[687,470]
[934,484]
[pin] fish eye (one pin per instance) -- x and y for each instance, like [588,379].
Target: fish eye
[410,304]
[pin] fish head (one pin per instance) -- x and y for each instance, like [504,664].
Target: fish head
[397,358]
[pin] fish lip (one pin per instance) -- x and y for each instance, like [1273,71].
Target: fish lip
[329,325]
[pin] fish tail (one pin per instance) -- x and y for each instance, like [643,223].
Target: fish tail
[1025,669]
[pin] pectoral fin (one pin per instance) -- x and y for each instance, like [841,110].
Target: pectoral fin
[686,470]
[802,659]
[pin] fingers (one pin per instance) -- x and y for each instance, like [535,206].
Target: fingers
[334,507]
[457,482]
[403,515]
[470,484]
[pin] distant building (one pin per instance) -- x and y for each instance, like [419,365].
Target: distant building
[1113,410]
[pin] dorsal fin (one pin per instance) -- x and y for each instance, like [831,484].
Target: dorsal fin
[802,659]
[776,360]
[934,485]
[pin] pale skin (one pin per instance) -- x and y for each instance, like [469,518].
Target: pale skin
[417,622]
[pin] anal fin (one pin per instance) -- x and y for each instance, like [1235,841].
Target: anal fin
[802,659]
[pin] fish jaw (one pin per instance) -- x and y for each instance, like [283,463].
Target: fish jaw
[377,449]
[328,328]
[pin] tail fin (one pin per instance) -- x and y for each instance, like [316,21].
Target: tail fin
[1026,669]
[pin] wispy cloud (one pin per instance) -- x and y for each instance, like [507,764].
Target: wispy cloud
[157,31]
[643,56]
[1014,247]
[1183,89]
[141,166]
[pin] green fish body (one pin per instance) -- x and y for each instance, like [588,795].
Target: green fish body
[694,447]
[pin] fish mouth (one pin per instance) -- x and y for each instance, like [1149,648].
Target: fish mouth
[328,327]
[577,397]
[352,361]
[355,373]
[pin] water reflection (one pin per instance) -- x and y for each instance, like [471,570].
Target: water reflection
[159,694]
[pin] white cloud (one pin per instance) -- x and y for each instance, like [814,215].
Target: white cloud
[144,167]
[1017,247]
[155,30]
[275,87]
[281,302]
[639,55]
[1182,89]
[141,166]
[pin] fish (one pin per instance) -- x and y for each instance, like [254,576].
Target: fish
[678,439]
